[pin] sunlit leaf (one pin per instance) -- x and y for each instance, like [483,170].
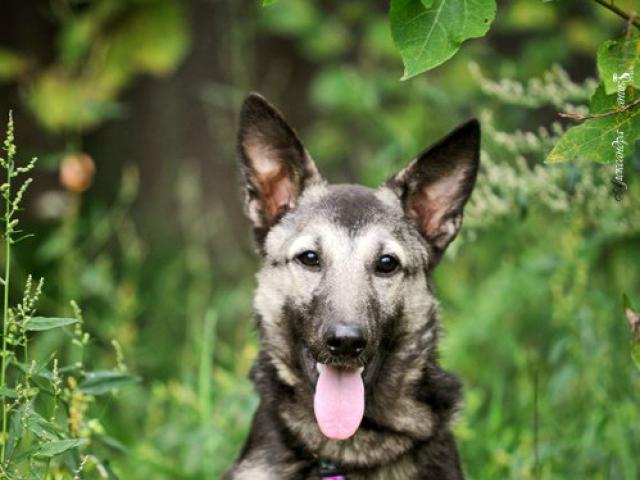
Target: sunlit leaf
[60,102]
[429,33]
[37,324]
[596,139]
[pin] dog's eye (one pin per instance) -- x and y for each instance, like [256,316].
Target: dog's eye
[386,265]
[309,258]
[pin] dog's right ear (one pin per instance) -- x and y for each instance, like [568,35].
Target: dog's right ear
[275,164]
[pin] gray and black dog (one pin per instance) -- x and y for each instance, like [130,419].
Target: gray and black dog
[348,374]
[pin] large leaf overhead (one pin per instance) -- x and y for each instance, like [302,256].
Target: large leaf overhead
[595,138]
[427,33]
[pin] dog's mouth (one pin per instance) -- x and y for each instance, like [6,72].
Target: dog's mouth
[338,402]
[339,398]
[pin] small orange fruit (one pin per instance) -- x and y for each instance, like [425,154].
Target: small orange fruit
[76,172]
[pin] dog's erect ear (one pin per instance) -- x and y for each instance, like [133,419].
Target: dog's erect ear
[435,186]
[275,164]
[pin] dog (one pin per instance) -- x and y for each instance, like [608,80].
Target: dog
[348,375]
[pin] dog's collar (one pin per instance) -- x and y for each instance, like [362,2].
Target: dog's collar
[330,471]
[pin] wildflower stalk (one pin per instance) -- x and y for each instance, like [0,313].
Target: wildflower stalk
[11,206]
[66,439]
[6,191]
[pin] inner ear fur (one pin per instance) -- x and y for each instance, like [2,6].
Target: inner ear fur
[276,166]
[436,185]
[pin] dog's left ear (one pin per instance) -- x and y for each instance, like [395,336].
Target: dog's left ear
[435,186]
[275,164]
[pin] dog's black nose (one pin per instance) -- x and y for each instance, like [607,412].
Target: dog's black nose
[346,340]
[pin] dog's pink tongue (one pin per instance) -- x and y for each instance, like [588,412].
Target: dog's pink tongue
[339,401]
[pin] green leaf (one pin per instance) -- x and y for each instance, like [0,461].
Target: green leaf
[15,431]
[104,381]
[429,33]
[7,392]
[57,447]
[597,139]
[266,3]
[617,58]
[38,324]
[41,427]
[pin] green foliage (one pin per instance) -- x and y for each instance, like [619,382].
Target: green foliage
[615,57]
[531,288]
[596,138]
[429,33]
[46,432]
[610,130]
[100,50]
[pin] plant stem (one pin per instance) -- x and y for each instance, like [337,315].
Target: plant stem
[5,309]
[630,17]
[579,117]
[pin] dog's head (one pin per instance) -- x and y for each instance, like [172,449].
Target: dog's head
[346,269]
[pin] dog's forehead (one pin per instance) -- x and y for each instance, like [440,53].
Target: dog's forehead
[344,215]
[352,207]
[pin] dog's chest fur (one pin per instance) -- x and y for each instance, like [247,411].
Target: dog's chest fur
[285,443]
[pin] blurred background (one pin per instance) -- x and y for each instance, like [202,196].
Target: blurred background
[131,105]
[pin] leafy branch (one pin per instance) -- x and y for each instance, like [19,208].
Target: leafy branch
[579,117]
